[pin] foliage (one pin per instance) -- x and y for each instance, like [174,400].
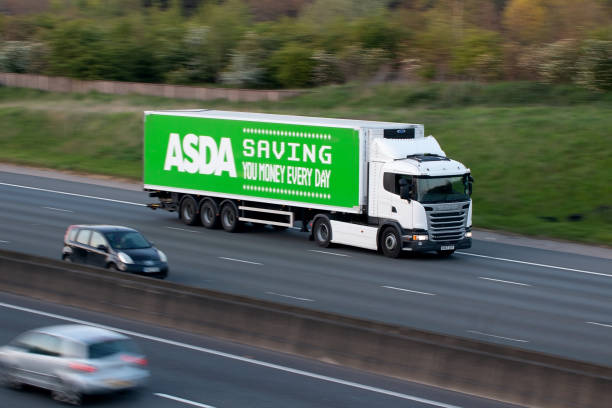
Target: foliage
[249,42]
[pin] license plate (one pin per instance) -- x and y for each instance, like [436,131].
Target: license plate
[151,269]
[447,247]
[119,383]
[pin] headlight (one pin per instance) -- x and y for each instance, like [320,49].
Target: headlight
[468,234]
[420,237]
[125,258]
[162,256]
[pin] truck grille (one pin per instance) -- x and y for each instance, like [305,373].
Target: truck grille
[447,221]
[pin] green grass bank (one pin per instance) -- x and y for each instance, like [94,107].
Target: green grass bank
[540,154]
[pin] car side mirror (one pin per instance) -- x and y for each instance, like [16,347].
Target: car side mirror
[103,247]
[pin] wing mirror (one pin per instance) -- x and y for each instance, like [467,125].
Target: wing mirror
[102,247]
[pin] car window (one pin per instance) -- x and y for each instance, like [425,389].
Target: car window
[39,343]
[83,237]
[127,240]
[73,349]
[97,239]
[109,347]
[72,234]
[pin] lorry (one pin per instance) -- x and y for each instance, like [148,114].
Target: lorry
[378,185]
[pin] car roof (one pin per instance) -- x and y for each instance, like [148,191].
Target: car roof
[81,333]
[105,228]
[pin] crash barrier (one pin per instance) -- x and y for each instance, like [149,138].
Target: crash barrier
[62,84]
[494,371]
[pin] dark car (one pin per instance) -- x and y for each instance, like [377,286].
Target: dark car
[119,248]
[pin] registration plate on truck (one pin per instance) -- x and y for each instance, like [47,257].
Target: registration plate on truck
[447,247]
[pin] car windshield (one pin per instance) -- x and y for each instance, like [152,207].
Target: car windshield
[126,240]
[442,189]
[109,347]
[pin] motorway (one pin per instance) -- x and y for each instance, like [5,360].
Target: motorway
[538,299]
[195,371]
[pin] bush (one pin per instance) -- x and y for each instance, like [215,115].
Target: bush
[595,65]
[293,66]
[22,57]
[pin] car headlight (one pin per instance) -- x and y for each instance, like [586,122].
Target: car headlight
[162,256]
[468,234]
[125,258]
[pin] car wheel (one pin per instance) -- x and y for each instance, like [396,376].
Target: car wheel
[229,218]
[8,378]
[189,211]
[113,267]
[68,394]
[208,215]
[66,258]
[446,253]
[390,243]
[322,233]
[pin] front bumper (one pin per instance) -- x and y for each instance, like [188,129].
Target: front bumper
[424,246]
[157,270]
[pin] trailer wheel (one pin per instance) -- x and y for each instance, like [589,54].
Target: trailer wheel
[322,232]
[390,243]
[229,218]
[189,211]
[208,214]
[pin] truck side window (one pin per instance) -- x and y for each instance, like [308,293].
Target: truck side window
[389,183]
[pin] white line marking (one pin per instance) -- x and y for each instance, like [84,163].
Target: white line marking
[292,297]
[504,281]
[4,242]
[183,400]
[183,229]
[58,209]
[328,253]
[73,194]
[497,337]
[240,260]
[536,264]
[600,324]
[237,358]
[408,290]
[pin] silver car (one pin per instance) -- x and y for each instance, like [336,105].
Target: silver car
[72,361]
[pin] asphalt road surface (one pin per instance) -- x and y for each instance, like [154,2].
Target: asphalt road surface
[547,300]
[195,371]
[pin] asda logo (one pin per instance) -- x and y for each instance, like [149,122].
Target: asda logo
[200,154]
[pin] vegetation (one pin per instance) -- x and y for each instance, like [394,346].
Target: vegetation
[303,43]
[539,153]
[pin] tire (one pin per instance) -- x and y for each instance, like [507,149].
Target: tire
[446,253]
[66,258]
[208,215]
[113,267]
[322,232]
[390,243]
[229,218]
[67,394]
[188,211]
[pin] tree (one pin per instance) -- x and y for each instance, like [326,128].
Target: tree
[526,21]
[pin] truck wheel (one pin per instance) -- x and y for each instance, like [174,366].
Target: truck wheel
[208,214]
[390,242]
[229,218]
[446,253]
[189,211]
[322,232]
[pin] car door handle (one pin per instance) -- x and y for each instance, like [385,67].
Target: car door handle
[393,210]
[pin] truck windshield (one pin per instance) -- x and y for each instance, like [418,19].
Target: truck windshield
[442,189]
